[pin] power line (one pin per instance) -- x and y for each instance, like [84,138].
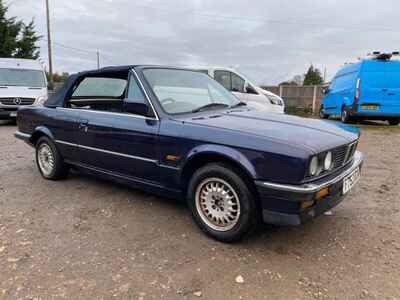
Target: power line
[274,21]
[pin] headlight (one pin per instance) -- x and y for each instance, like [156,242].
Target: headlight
[40,100]
[313,169]
[328,161]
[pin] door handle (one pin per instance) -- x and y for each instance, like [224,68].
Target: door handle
[384,90]
[83,125]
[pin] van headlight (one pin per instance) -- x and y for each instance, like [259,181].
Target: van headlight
[328,161]
[40,100]
[313,168]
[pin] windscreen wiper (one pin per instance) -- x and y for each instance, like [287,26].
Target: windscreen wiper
[208,106]
[241,103]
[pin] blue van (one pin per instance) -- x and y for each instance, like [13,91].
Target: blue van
[369,89]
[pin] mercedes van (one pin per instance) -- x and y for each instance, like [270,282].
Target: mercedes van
[245,90]
[22,82]
[368,89]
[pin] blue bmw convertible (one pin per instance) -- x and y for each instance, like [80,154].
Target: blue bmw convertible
[178,133]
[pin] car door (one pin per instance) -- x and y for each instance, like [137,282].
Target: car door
[120,143]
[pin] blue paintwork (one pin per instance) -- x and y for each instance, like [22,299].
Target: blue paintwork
[379,84]
[265,146]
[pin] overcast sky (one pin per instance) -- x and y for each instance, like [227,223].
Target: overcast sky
[269,41]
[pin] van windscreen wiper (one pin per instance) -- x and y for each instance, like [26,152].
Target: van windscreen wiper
[241,103]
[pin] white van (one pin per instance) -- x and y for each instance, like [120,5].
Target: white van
[246,91]
[22,82]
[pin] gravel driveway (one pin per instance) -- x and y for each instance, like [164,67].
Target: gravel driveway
[84,238]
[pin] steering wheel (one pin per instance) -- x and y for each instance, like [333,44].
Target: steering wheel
[168,100]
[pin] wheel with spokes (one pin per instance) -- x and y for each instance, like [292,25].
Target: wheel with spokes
[49,161]
[221,203]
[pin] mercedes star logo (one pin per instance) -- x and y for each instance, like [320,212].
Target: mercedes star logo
[17,101]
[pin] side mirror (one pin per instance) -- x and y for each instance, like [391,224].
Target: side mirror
[137,108]
[326,91]
[250,90]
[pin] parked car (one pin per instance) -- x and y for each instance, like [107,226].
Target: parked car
[245,90]
[22,82]
[178,133]
[369,89]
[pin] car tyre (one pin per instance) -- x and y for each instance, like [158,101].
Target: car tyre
[346,116]
[394,122]
[49,161]
[322,115]
[221,203]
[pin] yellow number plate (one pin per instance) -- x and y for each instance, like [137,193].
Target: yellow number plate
[370,107]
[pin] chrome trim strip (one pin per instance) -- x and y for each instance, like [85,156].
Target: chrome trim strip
[107,151]
[66,143]
[145,92]
[107,113]
[312,188]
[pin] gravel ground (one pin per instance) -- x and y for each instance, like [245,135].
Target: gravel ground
[84,238]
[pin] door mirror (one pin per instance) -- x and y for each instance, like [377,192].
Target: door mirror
[137,108]
[326,91]
[250,90]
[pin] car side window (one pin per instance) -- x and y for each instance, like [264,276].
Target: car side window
[135,93]
[224,78]
[100,87]
[237,83]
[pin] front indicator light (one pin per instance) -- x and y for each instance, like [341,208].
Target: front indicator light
[306,204]
[322,194]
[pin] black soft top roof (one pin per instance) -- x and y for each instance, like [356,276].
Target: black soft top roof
[64,92]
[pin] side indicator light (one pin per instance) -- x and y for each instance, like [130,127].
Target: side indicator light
[172,157]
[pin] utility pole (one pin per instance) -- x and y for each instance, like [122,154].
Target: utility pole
[98,59]
[49,45]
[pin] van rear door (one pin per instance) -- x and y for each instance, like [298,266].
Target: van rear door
[372,85]
[392,84]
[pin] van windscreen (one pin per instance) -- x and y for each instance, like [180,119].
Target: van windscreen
[21,77]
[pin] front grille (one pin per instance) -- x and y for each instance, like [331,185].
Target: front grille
[17,101]
[342,155]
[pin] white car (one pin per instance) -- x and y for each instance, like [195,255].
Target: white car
[245,90]
[22,82]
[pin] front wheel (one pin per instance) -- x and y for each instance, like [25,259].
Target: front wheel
[221,203]
[394,122]
[322,115]
[49,161]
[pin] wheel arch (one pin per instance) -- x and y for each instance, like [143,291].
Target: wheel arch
[38,133]
[207,154]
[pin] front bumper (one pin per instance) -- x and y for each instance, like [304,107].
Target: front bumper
[281,203]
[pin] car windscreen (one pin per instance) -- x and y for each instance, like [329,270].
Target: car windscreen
[183,91]
[22,77]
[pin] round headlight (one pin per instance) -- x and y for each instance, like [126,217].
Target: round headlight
[313,166]
[328,161]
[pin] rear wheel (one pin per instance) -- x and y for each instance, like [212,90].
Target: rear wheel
[49,161]
[394,122]
[221,203]
[346,116]
[323,115]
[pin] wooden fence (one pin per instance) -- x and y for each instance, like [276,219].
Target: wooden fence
[299,99]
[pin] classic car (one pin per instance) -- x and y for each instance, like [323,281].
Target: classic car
[178,133]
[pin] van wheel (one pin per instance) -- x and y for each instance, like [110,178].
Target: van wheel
[345,116]
[322,115]
[221,203]
[49,161]
[394,122]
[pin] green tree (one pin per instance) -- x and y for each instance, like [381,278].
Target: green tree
[27,43]
[313,77]
[16,38]
[9,31]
